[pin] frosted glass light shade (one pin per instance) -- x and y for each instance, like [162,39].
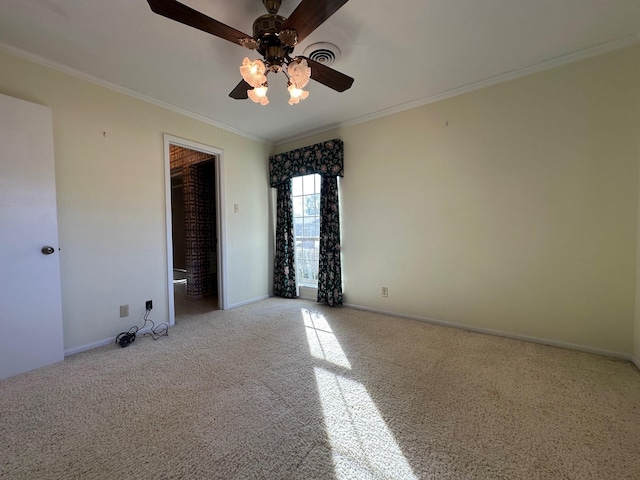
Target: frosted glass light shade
[253,72]
[299,72]
[259,95]
[297,94]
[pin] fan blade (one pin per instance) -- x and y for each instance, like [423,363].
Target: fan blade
[310,14]
[240,92]
[329,77]
[188,16]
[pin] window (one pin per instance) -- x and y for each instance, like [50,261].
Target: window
[305,193]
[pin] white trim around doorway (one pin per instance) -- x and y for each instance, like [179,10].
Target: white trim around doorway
[220,212]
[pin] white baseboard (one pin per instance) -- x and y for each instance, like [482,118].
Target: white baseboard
[516,336]
[89,346]
[499,333]
[107,341]
[246,302]
[100,343]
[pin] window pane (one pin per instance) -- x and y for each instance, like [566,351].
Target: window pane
[311,204]
[297,207]
[314,229]
[308,184]
[296,186]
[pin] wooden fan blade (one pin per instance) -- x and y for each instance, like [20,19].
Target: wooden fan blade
[329,77]
[240,92]
[310,14]
[188,16]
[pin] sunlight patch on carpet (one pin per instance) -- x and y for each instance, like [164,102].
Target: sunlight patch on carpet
[361,443]
[322,342]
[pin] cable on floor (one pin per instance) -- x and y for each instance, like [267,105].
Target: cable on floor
[124,339]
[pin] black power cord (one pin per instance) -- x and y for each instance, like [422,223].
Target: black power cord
[125,339]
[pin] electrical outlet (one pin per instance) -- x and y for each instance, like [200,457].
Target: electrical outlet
[385,292]
[124,311]
[149,305]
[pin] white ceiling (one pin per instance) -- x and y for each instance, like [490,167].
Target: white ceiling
[402,54]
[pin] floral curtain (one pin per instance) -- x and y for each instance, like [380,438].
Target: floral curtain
[329,269]
[327,160]
[284,276]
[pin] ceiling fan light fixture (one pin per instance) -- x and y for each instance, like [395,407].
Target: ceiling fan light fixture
[274,38]
[299,72]
[259,94]
[253,72]
[296,94]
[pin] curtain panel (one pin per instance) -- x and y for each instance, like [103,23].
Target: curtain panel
[327,160]
[329,266]
[284,274]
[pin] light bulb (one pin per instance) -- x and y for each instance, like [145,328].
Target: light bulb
[259,95]
[297,94]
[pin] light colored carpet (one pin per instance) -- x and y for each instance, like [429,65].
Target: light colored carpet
[289,389]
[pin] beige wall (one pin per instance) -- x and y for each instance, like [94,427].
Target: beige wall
[111,200]
[511,208]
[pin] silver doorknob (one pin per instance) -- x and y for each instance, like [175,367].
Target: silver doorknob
[47,250]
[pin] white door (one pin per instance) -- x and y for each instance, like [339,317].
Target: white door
[30,301]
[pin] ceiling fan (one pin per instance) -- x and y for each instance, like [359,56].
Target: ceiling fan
[275,38]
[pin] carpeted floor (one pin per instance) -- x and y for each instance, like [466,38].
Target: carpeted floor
[289,389]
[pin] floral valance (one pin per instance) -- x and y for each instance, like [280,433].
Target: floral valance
[326,159]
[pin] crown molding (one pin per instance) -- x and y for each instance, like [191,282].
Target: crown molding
[275,143]
[126,91]
[454,92]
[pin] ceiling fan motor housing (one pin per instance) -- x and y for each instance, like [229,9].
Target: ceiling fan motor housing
[266,32]
[266,24]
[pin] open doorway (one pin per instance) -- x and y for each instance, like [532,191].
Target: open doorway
[195,241]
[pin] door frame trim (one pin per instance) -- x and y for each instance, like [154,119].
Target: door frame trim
[221,221]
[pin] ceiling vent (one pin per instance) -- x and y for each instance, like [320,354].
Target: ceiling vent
[323,52]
